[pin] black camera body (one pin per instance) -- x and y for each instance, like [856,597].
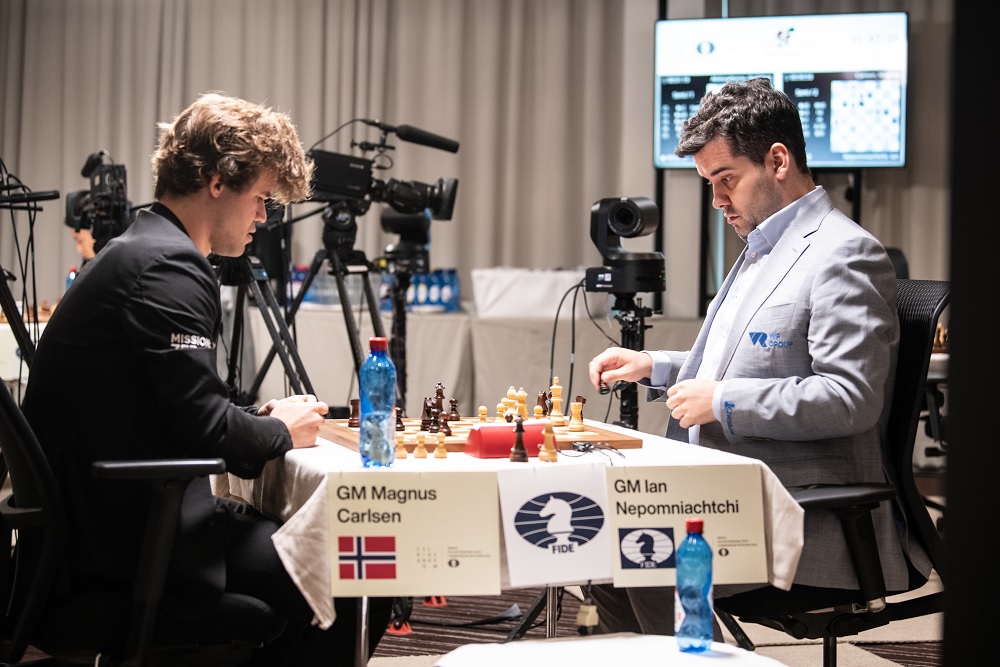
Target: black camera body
[412,253]
[347,180]
[624,272]
[104,209]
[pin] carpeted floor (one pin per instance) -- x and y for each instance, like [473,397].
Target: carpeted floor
[436,630]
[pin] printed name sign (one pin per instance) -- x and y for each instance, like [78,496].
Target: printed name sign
[648,506]
[396,533]
[555,524]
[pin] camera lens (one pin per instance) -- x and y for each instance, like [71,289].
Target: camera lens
[625,219]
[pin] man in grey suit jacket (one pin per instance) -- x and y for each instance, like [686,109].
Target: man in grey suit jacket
[794,363]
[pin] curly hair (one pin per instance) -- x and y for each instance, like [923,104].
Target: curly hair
[236,139]
[751,116]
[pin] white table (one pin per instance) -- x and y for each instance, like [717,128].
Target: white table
[293,489]
[616,649]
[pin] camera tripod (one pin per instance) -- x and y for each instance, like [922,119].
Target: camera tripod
[247,272]
[631,315]
[342,263]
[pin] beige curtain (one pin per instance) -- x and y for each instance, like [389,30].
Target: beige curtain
[551,101]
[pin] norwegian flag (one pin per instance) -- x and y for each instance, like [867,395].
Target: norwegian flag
[371,557]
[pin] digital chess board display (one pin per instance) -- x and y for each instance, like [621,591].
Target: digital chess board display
[846,74]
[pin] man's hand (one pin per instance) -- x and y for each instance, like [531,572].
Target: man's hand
[690,402]
[302,415]
[619,363]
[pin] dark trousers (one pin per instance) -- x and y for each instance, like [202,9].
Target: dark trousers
[253,568]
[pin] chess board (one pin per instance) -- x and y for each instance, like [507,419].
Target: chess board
[337,430]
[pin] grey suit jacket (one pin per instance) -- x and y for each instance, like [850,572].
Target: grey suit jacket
[808,366]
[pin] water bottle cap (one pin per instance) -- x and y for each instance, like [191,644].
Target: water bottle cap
[378,343]
[694,525]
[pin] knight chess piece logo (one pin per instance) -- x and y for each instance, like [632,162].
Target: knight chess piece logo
[559,522]
[646,548]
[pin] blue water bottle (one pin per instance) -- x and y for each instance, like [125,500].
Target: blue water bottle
[71,276]
[693,593]
[377,387]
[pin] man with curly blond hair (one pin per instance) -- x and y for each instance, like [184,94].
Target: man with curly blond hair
[140,326]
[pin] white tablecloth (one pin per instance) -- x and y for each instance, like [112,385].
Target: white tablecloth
[294,490]
[619,649]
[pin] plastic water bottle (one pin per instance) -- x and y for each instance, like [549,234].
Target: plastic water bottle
[71,276]
[693,594]
[377,422]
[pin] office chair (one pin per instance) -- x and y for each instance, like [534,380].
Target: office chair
[109,628]
[919,304]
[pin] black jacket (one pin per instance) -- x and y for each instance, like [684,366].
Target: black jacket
[126,369]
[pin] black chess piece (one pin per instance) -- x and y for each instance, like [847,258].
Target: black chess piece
[518,453]
[354,420]
[400,426]
[543,400]
[453,415]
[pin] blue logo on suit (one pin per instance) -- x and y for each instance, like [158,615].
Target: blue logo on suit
[559,521]
[761,338]
[646,548]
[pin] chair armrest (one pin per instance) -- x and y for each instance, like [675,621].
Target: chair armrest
[158,469]
[168,479]
[853,505]
[847,495]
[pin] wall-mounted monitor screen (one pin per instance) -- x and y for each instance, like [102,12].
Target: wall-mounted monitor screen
[846,73]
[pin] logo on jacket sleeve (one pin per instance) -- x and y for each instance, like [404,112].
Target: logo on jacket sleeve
[187,341]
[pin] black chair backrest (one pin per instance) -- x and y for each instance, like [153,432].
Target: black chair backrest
[35,514]
[919,304]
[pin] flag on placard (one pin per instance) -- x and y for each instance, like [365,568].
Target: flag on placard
[367,557]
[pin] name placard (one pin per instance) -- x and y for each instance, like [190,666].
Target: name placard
[649,505]
[403,533]
[555,521]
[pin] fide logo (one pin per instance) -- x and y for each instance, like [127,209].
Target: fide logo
[646,548]
[559,522]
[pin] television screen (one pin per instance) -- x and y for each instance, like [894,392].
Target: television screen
[846,73]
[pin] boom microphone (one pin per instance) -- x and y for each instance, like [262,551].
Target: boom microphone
[415,135]
[93,160]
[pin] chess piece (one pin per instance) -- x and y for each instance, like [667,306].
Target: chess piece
[439,397]
[543,400]
[576,418]
[426,417]
[539,412]
[400,426]
[558,418]
[453,415]
[547,450]
[522,403]
[518,453]
[353,420]
[401,452]
[602,386]
[443,426]
[440,451]
[435,424]
[482,413]
[501,412]
[420,451]
[583,402]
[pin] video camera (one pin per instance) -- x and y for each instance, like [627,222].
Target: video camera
[346,178]
[105,208]
[624,272]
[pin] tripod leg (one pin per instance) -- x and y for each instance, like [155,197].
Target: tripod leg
[289,354]
[397,343]
[540,603]
[235,348]
[306,283]
[345,302]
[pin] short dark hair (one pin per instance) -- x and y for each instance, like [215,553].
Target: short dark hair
[236,139]
[751,116]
